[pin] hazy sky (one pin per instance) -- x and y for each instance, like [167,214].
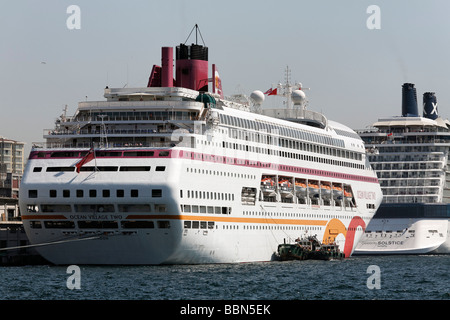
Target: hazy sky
[355,73]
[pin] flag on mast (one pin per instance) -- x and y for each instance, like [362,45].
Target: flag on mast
[88,157]
[217,83]
[271,92]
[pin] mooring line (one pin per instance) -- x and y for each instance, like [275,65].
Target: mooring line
[49,243]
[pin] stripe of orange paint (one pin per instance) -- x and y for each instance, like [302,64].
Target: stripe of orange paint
[230,219]
[200,218]
[41,216]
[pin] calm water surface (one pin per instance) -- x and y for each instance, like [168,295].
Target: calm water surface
[423,277]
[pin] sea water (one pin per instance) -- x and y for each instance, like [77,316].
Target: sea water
[418,277]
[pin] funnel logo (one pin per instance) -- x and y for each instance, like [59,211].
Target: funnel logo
[433,109]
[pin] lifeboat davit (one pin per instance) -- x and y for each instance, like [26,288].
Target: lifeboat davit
[325,191]
[268,187]
[286,189]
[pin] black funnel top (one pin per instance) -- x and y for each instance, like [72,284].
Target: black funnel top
[430,106]
[409,101]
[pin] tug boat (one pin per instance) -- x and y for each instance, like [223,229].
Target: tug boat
[309,249]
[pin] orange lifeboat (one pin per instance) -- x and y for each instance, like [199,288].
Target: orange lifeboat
[285,188]
[300,188]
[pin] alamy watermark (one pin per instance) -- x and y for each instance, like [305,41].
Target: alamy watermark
[73,22]
[374,280]
[374,20]
[74,280]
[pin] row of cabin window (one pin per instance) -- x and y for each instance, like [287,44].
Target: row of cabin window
[221,173]
[199,224]
[208,195]
[106,193]
[137,115]
[298,215]
[129,224]
[93,208]
[99,168]
[101,154]
[292,155]
[279,227]
[270,227]
[274,128]
[186,208]
[287,143]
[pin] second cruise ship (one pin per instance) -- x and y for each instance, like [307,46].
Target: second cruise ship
[410,155]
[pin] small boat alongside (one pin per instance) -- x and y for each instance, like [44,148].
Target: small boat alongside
[309,249]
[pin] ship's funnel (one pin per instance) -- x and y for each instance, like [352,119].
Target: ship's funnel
[167,67]
[409,101]
[192,67]
[430,110]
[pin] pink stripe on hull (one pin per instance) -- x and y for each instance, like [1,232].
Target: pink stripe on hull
[182,154]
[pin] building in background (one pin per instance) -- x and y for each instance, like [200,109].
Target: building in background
[11,169]
[13,240]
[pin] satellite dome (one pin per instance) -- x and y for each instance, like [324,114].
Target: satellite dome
[298,96]
[257,96]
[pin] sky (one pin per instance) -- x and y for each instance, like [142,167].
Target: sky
[354,73]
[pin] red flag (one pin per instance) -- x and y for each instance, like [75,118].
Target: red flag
[88,157]
[271,92]
[217,82]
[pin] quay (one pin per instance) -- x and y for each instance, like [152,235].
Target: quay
[12,235]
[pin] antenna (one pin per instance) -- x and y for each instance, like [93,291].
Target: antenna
[126,84]
[288,75]
[103,136]
[197,32]
[289,91]
[64,114]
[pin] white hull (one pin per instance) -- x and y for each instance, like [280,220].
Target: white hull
[247,232]
[173,247]
[405,236]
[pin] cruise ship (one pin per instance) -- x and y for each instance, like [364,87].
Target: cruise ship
[410,156]
[175,173]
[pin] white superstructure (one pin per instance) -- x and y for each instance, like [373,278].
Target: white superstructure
[173,175]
